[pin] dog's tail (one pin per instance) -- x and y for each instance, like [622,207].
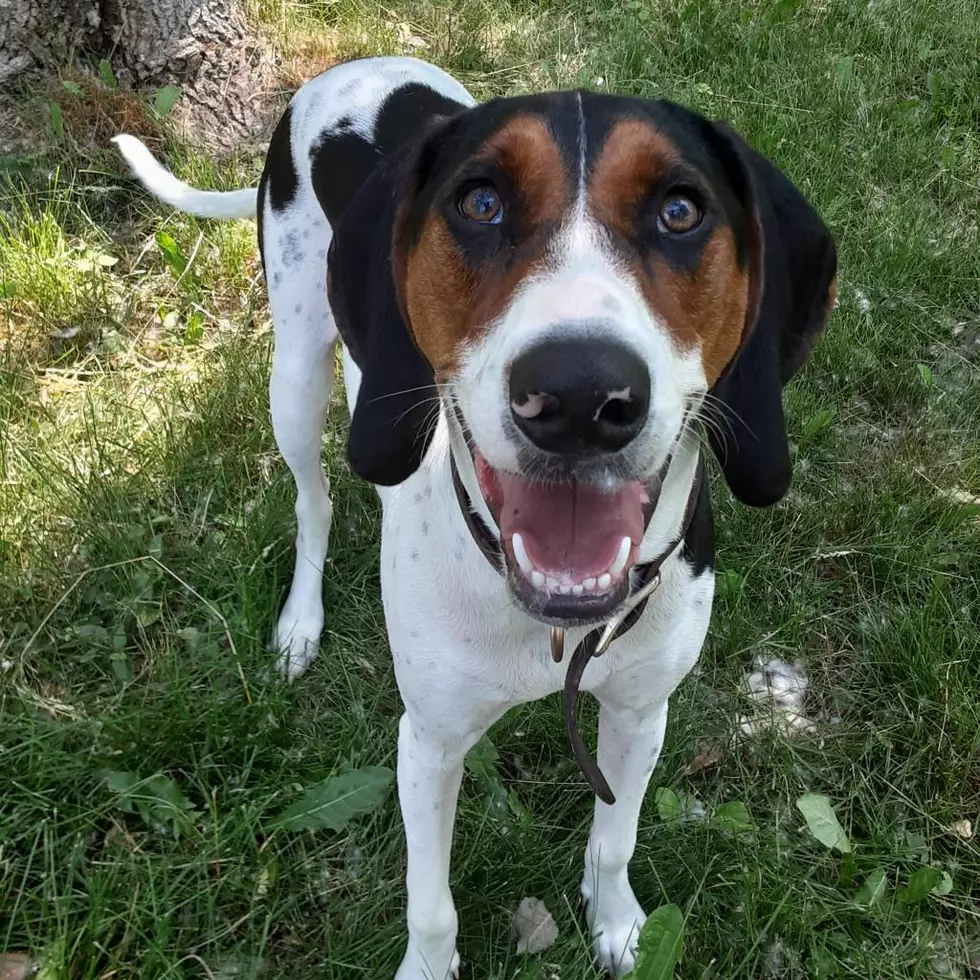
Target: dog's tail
[162,183]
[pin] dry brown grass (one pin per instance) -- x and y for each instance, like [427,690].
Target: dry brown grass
[93,112]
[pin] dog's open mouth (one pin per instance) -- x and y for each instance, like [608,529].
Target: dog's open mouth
[569,548]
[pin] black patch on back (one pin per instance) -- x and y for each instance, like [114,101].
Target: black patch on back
[279,179]
[280,169]
[341,160]
[699,540]
[259,208]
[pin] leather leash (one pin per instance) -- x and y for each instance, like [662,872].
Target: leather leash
[645,581]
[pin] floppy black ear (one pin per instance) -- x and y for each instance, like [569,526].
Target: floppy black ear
[394,416]
[792,268]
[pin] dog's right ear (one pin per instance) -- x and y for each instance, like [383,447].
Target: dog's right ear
[397,404]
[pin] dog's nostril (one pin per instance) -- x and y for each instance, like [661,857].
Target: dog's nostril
[579,395]
[619,411]
[537,406]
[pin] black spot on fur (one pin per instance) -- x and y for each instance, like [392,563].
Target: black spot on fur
[341,160]
[290,249]
[280,169]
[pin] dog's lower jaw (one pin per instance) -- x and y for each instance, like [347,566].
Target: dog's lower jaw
[615,918]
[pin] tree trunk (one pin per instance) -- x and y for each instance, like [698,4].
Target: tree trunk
[203,46]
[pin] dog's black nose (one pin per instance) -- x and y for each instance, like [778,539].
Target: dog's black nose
[579,397]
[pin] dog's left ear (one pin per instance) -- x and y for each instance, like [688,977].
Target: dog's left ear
[792,288]
[396,409]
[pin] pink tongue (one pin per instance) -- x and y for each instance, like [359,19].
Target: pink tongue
[570,528]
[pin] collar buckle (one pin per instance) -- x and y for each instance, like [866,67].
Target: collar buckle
[612,627]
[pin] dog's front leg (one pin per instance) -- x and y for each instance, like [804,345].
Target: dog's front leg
[629,746]
[430,770]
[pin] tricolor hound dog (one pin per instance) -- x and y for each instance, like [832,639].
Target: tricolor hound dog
[541,300]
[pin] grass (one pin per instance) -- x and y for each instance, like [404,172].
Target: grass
[146,523]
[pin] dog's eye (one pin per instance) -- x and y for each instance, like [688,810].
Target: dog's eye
[481,204]
[679,214]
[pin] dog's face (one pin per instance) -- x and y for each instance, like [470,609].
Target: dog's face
[578,272]
[575,271]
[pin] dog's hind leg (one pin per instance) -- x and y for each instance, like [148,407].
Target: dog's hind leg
[299,393]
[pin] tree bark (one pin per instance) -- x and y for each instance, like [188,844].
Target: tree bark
[203,46]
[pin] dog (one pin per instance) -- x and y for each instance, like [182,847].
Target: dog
[551,306]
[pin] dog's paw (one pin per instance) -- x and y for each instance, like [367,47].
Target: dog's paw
[297,640]
[435,966]
[615,919]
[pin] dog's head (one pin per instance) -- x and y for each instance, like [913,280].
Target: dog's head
[580,277]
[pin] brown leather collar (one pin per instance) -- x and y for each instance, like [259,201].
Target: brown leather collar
[644,581]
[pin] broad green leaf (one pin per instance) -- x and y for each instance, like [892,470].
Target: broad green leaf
[945,886]
[678,807]
[195,327]
[817,422]
[481,760]
[732,816]
[72,87]
[157,799]
[668,804]
[57,120]
[94,634]
[925,372]
[823,963]
[844,69]
[120,667]
[172,255]
[165,99]
[871,892]
[822,821]
[921,883]
[108,76]
[661,944]
[332,804]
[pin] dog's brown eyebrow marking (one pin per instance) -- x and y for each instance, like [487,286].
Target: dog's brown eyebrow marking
[705,307]
[448,300]
[633,156]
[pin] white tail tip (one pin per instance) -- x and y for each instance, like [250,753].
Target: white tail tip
[163,184]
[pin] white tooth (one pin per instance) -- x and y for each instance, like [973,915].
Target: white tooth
[619,562]
[520,553]
[552,584]
[537,579]
[589,584]
[577,589]
[605,580]
[565,589]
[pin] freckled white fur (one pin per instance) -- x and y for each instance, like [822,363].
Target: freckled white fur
[463,652]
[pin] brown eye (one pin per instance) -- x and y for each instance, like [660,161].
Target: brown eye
[481,204]
[679,214]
